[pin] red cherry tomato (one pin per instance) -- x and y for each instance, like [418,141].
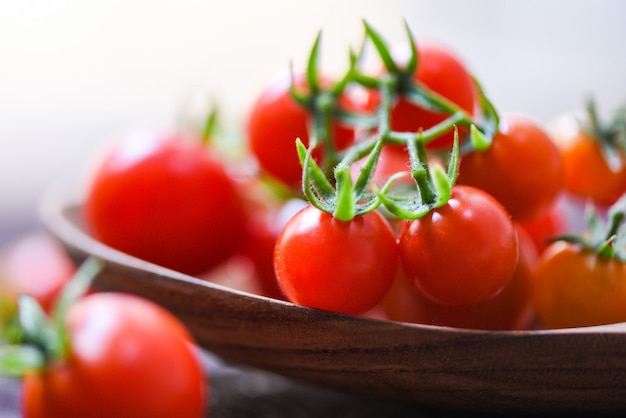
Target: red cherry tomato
[576,287]
[586,171]
[522,168]
[34,264]
[128,358]
[325,263]
[166,199]
[511,309]
[441,71]
[462,253]
[276,121]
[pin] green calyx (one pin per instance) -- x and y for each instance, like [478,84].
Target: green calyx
[611,137]
[434,186]
[605,237]
[34,338]
[332,186]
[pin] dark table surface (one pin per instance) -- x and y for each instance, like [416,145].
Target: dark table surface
[243,392]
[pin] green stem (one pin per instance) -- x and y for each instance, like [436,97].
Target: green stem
[421,173]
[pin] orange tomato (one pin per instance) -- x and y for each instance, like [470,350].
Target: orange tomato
[586,171]
[576,287]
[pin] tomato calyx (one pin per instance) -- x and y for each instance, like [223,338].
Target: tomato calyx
[611,137]
[605,237]
[37,339]
[345,199]
[434,186]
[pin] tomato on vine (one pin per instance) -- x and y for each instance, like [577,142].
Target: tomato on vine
[521,168]
[443,73]
[581,280]
[594,155]
[276,120]
[105,354]
[511,309]
[342,266]
[462,253]
[34,264]
[166,198]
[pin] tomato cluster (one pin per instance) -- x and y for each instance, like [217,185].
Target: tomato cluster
[402,194]
[364,153]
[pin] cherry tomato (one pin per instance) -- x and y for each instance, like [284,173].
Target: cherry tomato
[462,253]
[576,287]
[128,358]
[522,168]
[325,263]
[511,309]
[276,121]
[586,171]
[441,71]
[34,264]
[166,199]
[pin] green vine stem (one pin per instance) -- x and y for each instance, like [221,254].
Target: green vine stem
[329,184]
[611,137]
[605,238]
[43,339]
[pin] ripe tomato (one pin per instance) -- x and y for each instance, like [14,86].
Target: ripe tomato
[462,253]
[511,309]
[441,71]
[575,287]
[586,171]
[34,264]
[522,168]
[275,121]
[128,358]
[325,263]
[166,199]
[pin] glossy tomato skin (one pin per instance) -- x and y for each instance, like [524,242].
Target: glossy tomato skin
[325,263]
[511,309]
[439,70]
[128,358]
[166,199]
[275,121]
[586,171]
[574,287]
[34,264]
[462,253]
[522,168]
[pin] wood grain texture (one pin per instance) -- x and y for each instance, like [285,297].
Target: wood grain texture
[576,370]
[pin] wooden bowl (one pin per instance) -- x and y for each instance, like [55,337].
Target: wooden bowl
[576,370]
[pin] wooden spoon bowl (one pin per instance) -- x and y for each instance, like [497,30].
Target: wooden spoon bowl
[576,370]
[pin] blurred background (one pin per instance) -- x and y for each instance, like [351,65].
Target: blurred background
[74,72]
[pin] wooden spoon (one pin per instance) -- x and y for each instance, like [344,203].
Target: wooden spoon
[578,370]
